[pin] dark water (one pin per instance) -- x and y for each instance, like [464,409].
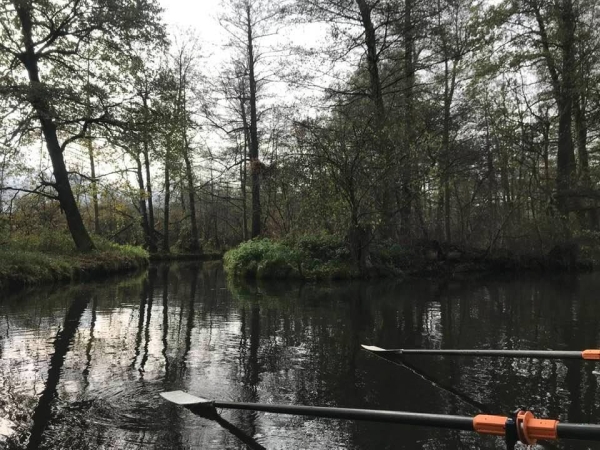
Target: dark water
[82,366]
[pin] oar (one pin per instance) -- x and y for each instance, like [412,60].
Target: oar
[397,359]
[394,359]
[593,355]
[522,426]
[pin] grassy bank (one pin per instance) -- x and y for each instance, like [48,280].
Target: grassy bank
[51,257]
[329,257]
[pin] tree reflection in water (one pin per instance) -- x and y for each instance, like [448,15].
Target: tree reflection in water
[83,366]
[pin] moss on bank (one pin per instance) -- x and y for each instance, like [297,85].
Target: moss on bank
[51,257]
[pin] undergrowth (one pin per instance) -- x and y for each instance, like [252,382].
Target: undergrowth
[311,257]
[51,256]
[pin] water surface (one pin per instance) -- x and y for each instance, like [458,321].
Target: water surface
[82,366]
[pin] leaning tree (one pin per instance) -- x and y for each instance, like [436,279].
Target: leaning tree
[62,60]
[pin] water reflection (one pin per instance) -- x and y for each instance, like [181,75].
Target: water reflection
[62,343]
[82,367]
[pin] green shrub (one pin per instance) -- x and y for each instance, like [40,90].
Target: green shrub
[315,257]
[261,258]
[323,247]
[396,255]
[45,241]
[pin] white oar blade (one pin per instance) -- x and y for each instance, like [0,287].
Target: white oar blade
[182,398]
[373,348]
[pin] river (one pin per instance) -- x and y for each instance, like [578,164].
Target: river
[82,366]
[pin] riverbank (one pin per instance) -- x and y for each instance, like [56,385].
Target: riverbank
[166,257]
[328,257]
[52,258]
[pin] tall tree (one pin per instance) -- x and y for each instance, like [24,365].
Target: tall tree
[547,35]
[49,41]
[248,22]
[185,61]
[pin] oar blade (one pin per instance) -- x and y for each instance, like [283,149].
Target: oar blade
[183,398]
[373,348]
[379,350]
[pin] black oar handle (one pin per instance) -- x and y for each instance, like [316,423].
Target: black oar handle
[376,415]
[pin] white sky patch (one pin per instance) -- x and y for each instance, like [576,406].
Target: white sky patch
[201,16]
[189,19]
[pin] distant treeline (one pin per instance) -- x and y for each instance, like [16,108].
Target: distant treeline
[465,122]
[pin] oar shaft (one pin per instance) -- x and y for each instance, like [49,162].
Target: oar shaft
[522,425]
[592,354]
[483,424]
[406,418]
[542,354]
[578,431]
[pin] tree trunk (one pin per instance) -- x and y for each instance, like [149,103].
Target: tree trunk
[194,241]
[254,157]
[94,187]
[409,80]
[563,84]
[152,247]
[581,132]
[142,200]
[166,244]
[151,233]
[448,94]
[2,171]
[372,60]
[38,99]
[566,166]
[447,210]
[491,173]
[90,145]
[380,144]
[243,170]
[565,161]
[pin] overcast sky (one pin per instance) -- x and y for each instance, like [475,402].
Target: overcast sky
[200,15]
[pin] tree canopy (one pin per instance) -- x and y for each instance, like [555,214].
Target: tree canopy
[468,122]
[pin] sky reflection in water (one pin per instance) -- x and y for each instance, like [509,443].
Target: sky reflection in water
[82,366]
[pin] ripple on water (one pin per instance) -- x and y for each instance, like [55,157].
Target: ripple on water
[133,405]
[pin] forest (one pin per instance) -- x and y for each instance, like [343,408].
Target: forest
[378,124]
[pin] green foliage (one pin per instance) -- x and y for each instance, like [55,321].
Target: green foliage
[44,241]
[309,256]
[27,267]
[324,247]
[589,246]
[51,256]
[396,255]
[262,258]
